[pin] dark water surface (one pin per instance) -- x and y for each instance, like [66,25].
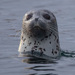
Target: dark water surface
[11,14]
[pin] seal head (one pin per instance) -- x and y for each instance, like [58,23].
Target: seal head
[39,35]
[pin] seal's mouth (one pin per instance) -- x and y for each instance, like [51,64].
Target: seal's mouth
[38,31]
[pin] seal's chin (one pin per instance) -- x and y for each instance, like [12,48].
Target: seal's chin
[38,31]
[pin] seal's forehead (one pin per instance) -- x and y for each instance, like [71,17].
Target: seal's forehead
[45,11]
[39,11]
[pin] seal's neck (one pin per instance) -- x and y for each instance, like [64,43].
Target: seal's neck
[48,45]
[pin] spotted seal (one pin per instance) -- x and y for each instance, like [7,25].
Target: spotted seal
[39,36]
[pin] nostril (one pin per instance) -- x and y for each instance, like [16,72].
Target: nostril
[36,19]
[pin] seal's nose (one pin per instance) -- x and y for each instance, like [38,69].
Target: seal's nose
[36,27]
[36,19]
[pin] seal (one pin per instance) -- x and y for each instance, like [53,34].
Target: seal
[39,36]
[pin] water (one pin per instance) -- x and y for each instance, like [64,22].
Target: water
[11,14]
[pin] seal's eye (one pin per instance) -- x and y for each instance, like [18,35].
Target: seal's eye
[46,16]
[29,16]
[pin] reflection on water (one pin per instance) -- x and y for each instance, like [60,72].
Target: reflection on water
[44,67]
[34,60]
[43,74]
[40,68]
